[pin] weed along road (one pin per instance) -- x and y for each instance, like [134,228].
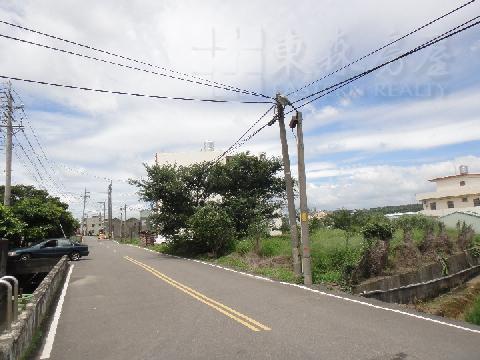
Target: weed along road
[129,303]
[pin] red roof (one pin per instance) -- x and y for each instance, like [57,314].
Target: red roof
[453,176]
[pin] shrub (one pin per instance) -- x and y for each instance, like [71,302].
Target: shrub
[334,264]
[243,247]
[473,316]
[378,231]
[212,230]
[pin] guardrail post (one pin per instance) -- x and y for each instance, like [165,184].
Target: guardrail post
[8,316]
[13,280]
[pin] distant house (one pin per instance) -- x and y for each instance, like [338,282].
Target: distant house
[92,225]
[453,193]
[467,217]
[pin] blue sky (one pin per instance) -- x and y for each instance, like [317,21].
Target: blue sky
[374,143]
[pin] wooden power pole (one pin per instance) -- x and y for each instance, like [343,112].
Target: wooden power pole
[302,183]
[292,217]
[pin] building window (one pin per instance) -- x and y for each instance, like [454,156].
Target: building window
[450,204]
[462,183]
[476,202]
[433,206]
[424,202]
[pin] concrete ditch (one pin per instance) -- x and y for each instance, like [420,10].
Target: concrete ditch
[425,283]
[14,342]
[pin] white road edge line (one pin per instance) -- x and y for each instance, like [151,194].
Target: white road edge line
[47,348]
[321,292]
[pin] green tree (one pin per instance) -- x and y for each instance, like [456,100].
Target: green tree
[10,226]
[211,230]
[43,215]
[175,192]
[250,188]
[247,188]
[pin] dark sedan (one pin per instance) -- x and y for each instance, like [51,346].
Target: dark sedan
[51,248]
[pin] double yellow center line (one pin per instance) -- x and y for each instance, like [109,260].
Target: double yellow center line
[225,310]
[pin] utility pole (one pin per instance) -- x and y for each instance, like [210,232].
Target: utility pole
[84,225]
[121,223]
[8,148]
[292,217]
[10,128]
[104,219]
[302,182]
[110,224]
[125,222]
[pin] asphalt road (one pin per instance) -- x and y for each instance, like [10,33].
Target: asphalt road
[127,303]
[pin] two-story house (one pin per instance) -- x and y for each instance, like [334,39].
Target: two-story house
[453,193]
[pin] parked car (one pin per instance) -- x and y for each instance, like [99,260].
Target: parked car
[51,248]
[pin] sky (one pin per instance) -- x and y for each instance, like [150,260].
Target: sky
[374,142]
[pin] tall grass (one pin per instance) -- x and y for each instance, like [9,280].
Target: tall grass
[473,316]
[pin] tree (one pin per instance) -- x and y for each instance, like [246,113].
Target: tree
[211,230]
[250,188]
[43,215]
[247,188]
[10,226]
[175,193]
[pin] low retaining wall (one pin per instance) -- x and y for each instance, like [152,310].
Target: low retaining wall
[14,342]
[427,282]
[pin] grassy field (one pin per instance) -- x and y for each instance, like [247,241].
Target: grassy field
[330,254]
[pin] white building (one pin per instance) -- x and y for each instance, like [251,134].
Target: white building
[92,225]
[208,153]
[454,193]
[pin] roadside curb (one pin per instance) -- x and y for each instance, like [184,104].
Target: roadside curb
[13,343]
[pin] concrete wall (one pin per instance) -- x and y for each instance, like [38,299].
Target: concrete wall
[14,342]
[427,282]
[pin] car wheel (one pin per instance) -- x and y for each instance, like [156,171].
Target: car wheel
[75,256]
[24,257]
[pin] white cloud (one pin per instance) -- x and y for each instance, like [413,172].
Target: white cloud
[380,185]
[110,136]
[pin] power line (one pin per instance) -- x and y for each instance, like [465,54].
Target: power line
[382,47]
[445,35]
[27,120]
[55,184]
[42,180]
[129,93]
[200,80]
[332,88]
[232,147]
[105,61]
[30,172]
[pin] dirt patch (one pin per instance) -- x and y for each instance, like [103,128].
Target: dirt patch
[256,261]
[454,304]
[406,257]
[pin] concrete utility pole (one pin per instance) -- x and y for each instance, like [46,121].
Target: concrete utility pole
[8,147]
[104,219]
[125,222]
[84,225]
[302,182]
[292,218]
[110,220]
[121,223]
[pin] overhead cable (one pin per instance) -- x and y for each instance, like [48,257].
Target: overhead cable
[382,47]
[183,77]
